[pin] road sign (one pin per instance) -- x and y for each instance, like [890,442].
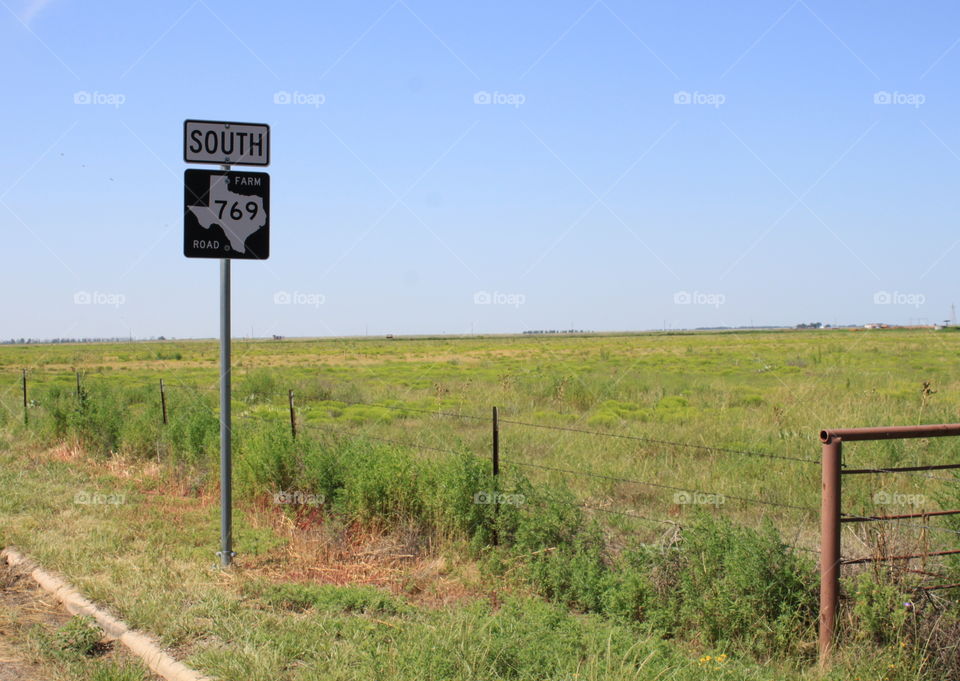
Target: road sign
[226,215]
[241,144]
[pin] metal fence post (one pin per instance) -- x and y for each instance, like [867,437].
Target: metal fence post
[79,389]
[829,544]
[26,417]
[293,415]
[496,441]
[496,474]
[163,402]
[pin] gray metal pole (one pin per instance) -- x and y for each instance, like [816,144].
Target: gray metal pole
[293,416]
[496,473]
[226,483]
[496,441]
[163,402]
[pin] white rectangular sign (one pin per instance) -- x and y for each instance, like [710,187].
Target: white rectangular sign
[242,144]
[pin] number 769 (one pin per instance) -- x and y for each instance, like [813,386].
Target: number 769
[235,212]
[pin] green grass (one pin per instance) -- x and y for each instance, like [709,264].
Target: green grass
[642,602]
[150,560]
[768,392]
[72,651]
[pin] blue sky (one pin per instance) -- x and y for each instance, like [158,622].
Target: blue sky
[494,167]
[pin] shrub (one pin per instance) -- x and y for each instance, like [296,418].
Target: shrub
[140,432]
[322,470]
[96,418]
[732,585]
[80,636]
[258,386]
[735,584]
[381,483]
[268,459]
[878,610]
[193,433]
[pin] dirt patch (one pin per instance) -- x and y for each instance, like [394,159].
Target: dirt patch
[321,552]
[22,606]
[12,665]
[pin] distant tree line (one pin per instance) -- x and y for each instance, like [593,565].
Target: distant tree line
[55,341]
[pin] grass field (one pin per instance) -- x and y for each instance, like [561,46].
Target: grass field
[626,451]
[768,393]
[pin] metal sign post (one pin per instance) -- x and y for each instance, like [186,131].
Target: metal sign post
[226,465]
[226,216]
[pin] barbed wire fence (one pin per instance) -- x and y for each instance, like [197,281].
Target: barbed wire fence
[184,394]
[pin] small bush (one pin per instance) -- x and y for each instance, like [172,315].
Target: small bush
[737,584]
[382,483]
[193,434]
[878,610]
[268,459]
[78,637]
[258,386]
[731,585]
[140,432]
[95,417]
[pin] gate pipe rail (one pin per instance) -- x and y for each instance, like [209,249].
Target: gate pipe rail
[891,433]
[831,463]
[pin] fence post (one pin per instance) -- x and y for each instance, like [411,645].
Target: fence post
[163,402]
[26,417]
[496,474]
[79,389]
[829,544]
[293,415]
[496,441]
